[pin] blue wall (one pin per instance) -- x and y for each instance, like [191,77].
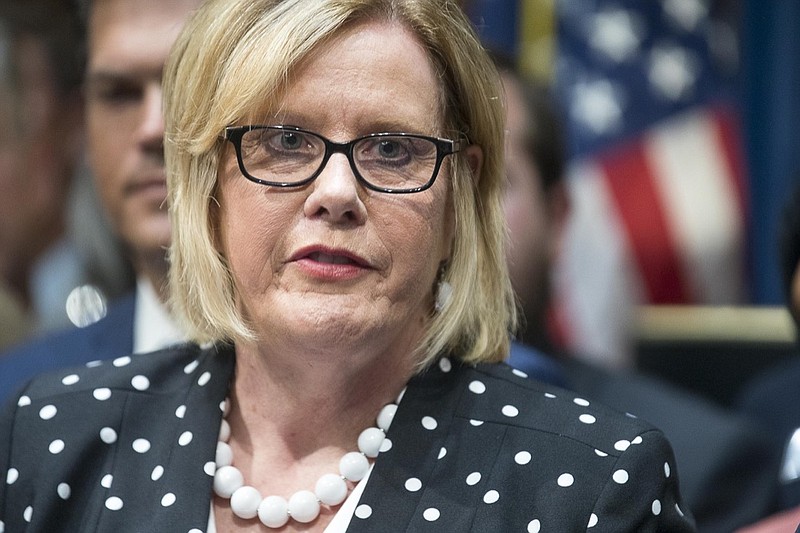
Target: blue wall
[496,21]
[771,85]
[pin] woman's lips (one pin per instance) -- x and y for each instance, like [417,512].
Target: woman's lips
[330,264]
[322,257]
[323,254]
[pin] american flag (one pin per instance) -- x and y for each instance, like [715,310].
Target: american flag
[656,175]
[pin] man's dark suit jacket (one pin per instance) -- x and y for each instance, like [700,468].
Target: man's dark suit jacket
[728,468]
[108,338]
[773,398]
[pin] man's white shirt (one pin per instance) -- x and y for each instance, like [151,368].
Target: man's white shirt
[153,327]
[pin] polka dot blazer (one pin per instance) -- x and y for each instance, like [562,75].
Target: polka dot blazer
[128,446]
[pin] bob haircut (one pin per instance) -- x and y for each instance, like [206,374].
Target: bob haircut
[232,61]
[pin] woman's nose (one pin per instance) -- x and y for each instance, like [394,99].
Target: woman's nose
[335,194]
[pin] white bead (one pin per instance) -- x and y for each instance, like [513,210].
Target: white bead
[224,431]
[224,455]
[354,466]
[245,502]
[226,480]
[331,489]
[386,416]
[369,442]
[304,506]
[273,511]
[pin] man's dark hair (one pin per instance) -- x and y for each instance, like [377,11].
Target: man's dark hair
[56,24]
[544,137]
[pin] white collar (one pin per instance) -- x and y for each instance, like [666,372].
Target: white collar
[153,327]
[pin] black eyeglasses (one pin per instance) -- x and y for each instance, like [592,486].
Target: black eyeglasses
[285,156]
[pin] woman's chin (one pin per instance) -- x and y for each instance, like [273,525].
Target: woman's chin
[325,317]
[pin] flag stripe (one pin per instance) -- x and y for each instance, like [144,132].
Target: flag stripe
[697,196]
[728,130]
[637,197]
[596,284]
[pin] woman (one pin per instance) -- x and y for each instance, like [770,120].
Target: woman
[335,173]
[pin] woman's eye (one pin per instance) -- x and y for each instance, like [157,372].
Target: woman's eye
[291,141]
[388,149]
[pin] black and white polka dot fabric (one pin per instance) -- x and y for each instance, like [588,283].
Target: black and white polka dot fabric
[128,446]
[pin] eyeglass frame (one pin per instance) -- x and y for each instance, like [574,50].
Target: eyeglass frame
[444,147]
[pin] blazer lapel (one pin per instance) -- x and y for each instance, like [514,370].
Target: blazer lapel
[397,496]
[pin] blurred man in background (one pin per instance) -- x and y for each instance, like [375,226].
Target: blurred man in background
[725,466]
[773,398]
[128,43]
[12,314]
[41,138]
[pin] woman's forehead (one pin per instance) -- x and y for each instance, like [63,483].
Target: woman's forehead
[374,74]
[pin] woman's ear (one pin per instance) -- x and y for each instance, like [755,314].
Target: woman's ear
[474,155]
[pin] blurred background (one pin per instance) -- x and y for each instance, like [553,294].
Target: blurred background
[681,121]
[54,236]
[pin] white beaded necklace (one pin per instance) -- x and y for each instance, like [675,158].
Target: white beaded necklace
[304,505]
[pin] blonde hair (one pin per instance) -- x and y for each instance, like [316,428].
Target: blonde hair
[234,52]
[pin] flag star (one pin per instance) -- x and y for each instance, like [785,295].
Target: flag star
[688,14]
[597,105]
[672,71]
[614,34]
